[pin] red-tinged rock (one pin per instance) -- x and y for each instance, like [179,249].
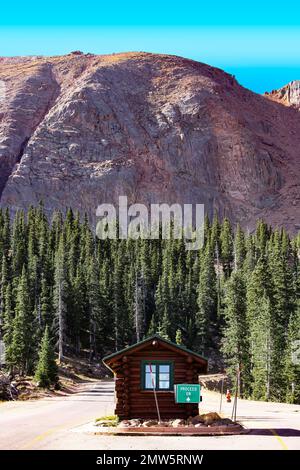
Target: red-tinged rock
[81,129]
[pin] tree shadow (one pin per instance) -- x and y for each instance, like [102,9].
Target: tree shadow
[281,432]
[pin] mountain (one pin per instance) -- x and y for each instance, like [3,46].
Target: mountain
[82,129]
[288,95]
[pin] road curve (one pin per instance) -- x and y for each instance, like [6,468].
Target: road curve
[37,423]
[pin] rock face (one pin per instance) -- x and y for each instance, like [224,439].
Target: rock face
[288,95]
[80,130]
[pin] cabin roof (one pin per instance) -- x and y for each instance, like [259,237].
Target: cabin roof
[140,344]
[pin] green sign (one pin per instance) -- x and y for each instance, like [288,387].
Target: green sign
[187,393]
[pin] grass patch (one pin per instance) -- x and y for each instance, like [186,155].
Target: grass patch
[107,421]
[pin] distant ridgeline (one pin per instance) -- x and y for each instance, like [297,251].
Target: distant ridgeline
[236,301]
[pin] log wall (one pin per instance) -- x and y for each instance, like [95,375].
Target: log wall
[134,402]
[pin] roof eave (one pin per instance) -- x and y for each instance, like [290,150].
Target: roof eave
[107,359]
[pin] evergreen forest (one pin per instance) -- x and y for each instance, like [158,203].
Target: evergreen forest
[64,292]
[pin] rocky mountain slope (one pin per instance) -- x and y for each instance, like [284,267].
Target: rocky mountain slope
[288,95]
[79,130]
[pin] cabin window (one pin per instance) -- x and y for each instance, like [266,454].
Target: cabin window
[157,374]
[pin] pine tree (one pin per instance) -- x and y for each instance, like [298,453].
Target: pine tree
[45,306]
[236,346]
[106,322]
[94,304]
[147,270]
[251,255]
[263,352]
[264,332]
[22,349]
[4,281]
[32,260]
[207,302]
[164,326]
[46,373]
[226,242]
[60,295]
[8,323]
[77,314]
[179,339]
[18,244]
[163,295]
[283,305]
[140,305]
[44,248]
[239,248]
[215,235]
[188,328]
[283,289]
[121,320]
[261,237]
[6,233]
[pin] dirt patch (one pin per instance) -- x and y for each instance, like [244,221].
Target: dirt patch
[72,372]
[215,382]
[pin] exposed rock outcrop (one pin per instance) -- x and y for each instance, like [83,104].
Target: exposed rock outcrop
[80,130]
[288,95]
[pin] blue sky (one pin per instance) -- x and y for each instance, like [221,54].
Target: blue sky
[258,41]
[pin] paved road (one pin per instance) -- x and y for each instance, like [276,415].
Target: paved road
[62,423]
[38,424]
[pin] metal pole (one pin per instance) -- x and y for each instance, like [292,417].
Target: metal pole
[154,391]
[234,408]
[222,391]
[238,394]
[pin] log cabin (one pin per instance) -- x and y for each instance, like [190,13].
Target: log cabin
[154,363]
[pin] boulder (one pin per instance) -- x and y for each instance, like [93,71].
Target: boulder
[150,422]
[135,422]
[223,422]
[196,419]
[178,422]
[209,418]
[124,424]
